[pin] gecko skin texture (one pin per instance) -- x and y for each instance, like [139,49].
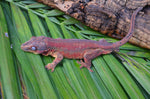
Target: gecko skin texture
[75,48]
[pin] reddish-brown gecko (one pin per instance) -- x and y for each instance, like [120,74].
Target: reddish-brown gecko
[75,48]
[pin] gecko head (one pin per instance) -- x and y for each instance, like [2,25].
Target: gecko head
[36,45]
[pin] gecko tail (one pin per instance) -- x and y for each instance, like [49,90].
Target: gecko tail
[129,34]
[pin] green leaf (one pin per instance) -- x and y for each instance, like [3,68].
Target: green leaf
[54,13]
[8,73]
[123,77]
[109,78]
[139,71]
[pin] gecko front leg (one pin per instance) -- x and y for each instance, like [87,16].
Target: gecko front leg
[58,58]
[88,56]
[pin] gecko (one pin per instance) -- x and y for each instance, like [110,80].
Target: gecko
[81,49]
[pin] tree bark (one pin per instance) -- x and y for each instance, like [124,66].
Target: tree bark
[110,17]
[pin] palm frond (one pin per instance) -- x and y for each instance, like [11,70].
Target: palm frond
[124,74]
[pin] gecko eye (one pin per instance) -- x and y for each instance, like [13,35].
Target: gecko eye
[33,48]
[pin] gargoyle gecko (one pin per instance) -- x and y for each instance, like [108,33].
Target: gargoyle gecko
[75,48]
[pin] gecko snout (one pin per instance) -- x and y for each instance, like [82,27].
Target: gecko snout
[24,47]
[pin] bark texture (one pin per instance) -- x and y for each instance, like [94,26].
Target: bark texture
[110,17]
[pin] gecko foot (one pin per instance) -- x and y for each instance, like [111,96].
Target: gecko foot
[50,66]
[83,64]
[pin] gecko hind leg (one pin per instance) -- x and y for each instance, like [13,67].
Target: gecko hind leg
[88,56]
[58,58]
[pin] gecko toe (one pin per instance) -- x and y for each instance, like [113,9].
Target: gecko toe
[52,69]
[83,64]
[80,62]
[50,66]
[90,69]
